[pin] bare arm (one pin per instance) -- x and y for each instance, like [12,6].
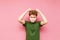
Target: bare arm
[44,20]
[20,19]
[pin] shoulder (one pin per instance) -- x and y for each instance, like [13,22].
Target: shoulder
[26,22]
[39,22]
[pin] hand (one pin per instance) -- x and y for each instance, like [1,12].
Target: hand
[29,9]
[38,10]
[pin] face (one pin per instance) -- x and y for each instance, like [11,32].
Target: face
[32,18]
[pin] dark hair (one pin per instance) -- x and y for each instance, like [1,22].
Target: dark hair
[33,12]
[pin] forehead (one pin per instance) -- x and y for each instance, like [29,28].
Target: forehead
[32,15]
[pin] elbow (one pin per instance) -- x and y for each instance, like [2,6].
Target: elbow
[18,20]
[46,22]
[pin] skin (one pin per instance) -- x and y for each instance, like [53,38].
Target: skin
[32,16]
[43,21]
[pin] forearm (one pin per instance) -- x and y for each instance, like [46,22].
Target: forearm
[23,14]
[43,16]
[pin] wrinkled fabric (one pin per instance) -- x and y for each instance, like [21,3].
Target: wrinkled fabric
[32,30]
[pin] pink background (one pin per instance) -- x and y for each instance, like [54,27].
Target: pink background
[11,29]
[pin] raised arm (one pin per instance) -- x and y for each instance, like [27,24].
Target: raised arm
[44,20]
[20,19]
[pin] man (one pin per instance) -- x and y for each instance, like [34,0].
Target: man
[32,27]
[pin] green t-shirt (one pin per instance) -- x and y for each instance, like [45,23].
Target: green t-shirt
[32,30]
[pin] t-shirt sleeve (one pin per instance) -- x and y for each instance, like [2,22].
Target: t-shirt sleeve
[25,24]
[40,24]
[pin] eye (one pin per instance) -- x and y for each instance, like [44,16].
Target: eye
[33,17]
